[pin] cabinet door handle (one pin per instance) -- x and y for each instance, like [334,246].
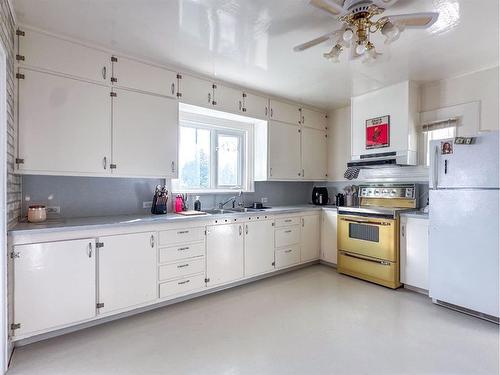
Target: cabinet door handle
[90,250]
[241,230]
[183,282]
[288,251]
[183,248]
[240,104]
[266,111]
[183,232]
[172,88]
[288,231]
[271,112]
[402,230]
[103,72]
[173,167]
[152,241]
[209,98]
[105,162]
[246,229]
[302,222]
[183,265]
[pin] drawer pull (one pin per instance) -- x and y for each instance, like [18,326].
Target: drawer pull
[288,251]
[182,282]
[288,231]
[382,262]
[182,232]
[183,248]
[183,265]
[288,220]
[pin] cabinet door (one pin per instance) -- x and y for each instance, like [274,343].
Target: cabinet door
[329,236]
[259,247]
[54,284]
[127,271]
[145,131]
[255,106]
[313,119]
[196,91]
[64,125]
[61,56]
[228,99]
[284,151]
[314,154]
[136,75]
[414,247]
[310,238]
[284,112]
[224,253]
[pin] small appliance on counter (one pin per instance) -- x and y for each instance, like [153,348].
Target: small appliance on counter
[258,206]
[37,213]
[320,196]
[160,199]
[339,200]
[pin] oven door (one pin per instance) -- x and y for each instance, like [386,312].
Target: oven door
[369,236]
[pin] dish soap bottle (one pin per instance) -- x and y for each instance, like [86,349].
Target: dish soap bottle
[178,204]
[197,204]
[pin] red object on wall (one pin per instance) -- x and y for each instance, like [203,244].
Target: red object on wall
[377,132]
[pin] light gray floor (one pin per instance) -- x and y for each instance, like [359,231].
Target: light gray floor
[311,321]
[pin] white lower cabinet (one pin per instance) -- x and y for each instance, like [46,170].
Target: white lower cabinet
[287,241]
[310,238]
[127,270]
[54,284]
[182,286]
[259,247]
[414,249]
[225,253]
[287,256]
[329,236]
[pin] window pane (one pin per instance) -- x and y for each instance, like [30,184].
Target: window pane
[433,135]
[228,160]
[194,158]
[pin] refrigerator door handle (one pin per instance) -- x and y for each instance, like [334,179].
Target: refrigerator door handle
[435,169]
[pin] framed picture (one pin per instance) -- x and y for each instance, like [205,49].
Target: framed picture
[377,132]
[446,147]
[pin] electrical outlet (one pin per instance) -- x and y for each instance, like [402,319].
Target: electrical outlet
[147,204]
[263,200]
[54,210]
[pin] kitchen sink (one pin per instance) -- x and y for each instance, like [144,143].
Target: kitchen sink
[245,209]
[217,211]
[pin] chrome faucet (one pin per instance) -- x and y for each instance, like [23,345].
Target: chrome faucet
[233,199]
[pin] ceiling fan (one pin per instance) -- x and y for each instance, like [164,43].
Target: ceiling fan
[356,21]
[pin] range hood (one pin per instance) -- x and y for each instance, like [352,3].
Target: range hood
[384,127]
[384,159]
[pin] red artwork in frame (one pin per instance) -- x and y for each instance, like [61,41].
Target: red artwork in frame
[377,132]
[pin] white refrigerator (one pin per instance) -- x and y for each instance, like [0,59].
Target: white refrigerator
[464,225]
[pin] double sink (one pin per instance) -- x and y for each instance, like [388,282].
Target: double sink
[232,210]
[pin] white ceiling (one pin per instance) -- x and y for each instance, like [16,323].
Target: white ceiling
[249,42]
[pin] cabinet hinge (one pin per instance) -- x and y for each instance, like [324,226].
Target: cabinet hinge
[299,130]
[19,32]
[99,305]
[179,94]
[273,224]
[244,94]
[114,79]
[207,280]
[14,326]
[214,86]
[19,76]
[14,255]
[112,166]
[19,161]
[99,245]
[113,94]
[214,103]
[19,57]
[179,76]
[114,59]
[273,263]
[326,135]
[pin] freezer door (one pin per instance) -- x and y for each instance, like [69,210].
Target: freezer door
[468,166]
[464,248]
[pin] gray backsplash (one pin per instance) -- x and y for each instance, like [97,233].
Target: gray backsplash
[100,196]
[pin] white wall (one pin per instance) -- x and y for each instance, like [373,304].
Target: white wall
[478,86]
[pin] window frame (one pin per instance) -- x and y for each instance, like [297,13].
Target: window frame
[241,156]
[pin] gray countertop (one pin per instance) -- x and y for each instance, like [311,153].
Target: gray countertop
[417,213]
[53,225]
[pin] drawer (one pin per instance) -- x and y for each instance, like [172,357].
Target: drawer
[180,269]
[181,286]
[286,221]
[287,256]
[173,236]
[182,251]
[287,236]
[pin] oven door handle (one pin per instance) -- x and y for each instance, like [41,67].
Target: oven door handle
[382,262]
[366,222]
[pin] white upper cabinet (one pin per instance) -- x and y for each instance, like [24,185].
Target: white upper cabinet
[196,91]
[227,99]
[132,74]
[64,125]
[38,50]
[284,151]
[284,112]
[259,247]
[314,154]
[54,284]
[329,236]
[255,106]
[310,238]
[313,119]
[145,135]
[127,271]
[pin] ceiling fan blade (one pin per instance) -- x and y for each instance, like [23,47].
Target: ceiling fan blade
[312,43]
[415,20]
[385,3]
[329,6]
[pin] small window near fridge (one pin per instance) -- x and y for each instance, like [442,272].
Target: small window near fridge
[438,130]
